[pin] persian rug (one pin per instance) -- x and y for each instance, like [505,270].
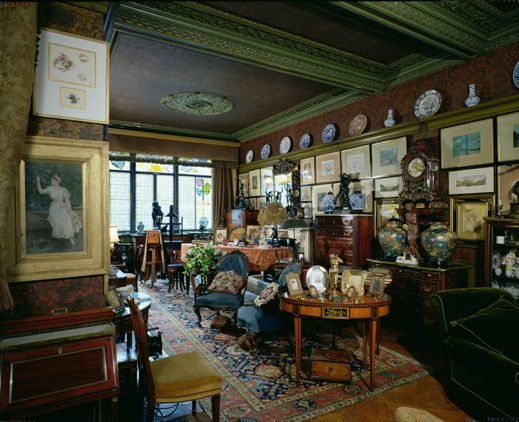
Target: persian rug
[259,385]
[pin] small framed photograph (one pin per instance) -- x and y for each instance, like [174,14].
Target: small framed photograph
[464,182]
[387,156]
[388,187]
[71,79]
[307,168]
[357,162]
[294,284]
[508,137]
[384,210]
[253,232]
[470,144]
[328,167]
[467,214]
[254,183]
[377,285]
[318,193]
[220,235]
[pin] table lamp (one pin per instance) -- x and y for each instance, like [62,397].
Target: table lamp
[114,238]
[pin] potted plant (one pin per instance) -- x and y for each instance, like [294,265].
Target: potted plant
[202,260]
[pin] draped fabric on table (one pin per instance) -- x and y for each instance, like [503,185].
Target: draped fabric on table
[260,259]
[17,53]
[223,194]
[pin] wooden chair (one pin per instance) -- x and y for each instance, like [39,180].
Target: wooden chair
[176,272]
[153,257]
[178,378]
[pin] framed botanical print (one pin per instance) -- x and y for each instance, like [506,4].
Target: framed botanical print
[470,144]
[59,216]
[387,156]
[254,183]
[307,169]
[467,215]
[508,137]
[357,162]
[478,180]
[328,167]
[71,80]
[388,187]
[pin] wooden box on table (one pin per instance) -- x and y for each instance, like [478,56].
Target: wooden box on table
[331,365]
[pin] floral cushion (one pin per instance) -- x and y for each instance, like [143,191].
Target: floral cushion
[268,300]
[226,282]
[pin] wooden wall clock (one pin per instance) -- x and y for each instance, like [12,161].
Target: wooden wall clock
[420,174]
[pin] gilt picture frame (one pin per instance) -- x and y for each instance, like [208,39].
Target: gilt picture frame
[328,167]
[254,183]
[357,162]
[72,78]
[508,137]
[471,181]
[307,169]
[470,144]
[40,234]
[294,284]
[387,156]
[467,214]
[388,187]
[384,209]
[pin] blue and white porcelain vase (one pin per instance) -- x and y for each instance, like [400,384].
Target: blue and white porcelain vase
[472,99]
[140,227]
[328,203]
[390,121]
[357,201]
[393,239]
[438,242]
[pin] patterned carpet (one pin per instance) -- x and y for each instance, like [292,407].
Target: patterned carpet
[260,385]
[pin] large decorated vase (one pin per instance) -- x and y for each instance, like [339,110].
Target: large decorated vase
[438,242]
[393,239]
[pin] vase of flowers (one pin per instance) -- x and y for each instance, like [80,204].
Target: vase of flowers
[202,260]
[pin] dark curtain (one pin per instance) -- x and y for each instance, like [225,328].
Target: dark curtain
[223,194]
[17,53]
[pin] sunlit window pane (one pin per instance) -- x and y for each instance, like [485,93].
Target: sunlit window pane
[144,199]
[120,199]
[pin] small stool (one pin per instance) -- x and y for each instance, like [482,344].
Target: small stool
[176,276]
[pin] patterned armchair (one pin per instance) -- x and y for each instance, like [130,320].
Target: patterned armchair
[227,289]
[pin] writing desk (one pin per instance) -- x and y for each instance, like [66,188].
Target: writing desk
[368,309]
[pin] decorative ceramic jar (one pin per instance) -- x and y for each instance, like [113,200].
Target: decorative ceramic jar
[438,242]
[472,99]
[140,227]
[357,201]
[390,121]
[328,203]
[392,238]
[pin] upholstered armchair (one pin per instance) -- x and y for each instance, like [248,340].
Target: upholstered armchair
[265,314]
[227,289]
[478,327]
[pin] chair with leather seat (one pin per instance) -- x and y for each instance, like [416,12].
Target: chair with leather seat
[211,297]
[254,320]
[178,378]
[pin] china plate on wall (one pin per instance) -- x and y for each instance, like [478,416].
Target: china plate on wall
[265,151]
[305,141]
[329,133]
[249,156]
[285,145]
[427,104]
[515,75]
[358,124]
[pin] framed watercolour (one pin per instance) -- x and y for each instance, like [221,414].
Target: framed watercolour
[318,193]
[328,167]
[307,168]
[388,187]
[357,162]
[508,137]
[479,180]
[306,193]
[387,156]
[71,80]
[45,232]
[470,144]
[384,210]
[254,183]
[467,215]
[294,284]
[507,176]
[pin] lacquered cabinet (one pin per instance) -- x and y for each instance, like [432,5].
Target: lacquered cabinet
[347,236]
[501,243]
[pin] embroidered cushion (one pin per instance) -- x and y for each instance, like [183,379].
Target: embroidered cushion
[226,282]
[268,300]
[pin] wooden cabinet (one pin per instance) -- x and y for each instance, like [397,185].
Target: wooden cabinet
[412,285]
[347,236]
[502,237]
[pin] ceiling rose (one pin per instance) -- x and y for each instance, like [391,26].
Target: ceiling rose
[199,103]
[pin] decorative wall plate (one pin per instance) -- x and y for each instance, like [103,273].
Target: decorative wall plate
[329,133]
[265,151]
[515,75]
[358,124]
[427,104]
[249,157]
[286,144]
[305,141]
